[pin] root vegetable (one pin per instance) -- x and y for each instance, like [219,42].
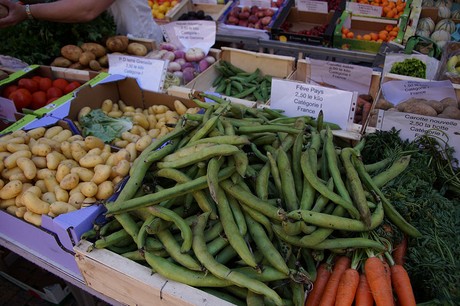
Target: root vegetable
[137,49]
[194,55]
[71,52]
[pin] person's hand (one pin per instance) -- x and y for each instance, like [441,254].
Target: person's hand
[16,13]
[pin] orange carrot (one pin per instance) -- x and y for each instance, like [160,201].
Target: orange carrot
[387,272]
[374,268]
[402,286]
[399,252]
[322,276]
[341,264]
[348,285]
[363,295]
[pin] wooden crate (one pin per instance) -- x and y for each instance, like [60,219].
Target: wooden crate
[213,10]
[134,284]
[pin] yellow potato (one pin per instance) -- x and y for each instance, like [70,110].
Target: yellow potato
[84,174]
[102,173]
[152,121]
[88,202]
[131,148]
[32,218]
[121,143]
[117,179]
[11,190]
[39,161]
[34,203]
[105,156]
[88,189]
[11,161]
[20,212]
[19,176]
[74,190]
[53,131]
[138,130]
[41,149]
[153,133]
[14,147]
[55,145]
[130,136]
[141,120]
[8,173]
[95,151]
[76,199]
[105,190]
[53,159]
[51,183]
[41,184]
[59,208]
[77,151]
[159,109]
[75,138]
[106,106]
[4,154]
[180,108]
[143,143]
[62,171]
[66,149]
[93,142]
[115,114]
[12,210]
[91,160]
[62,136]
[6,203]
[49,197]
[70,163]
[28,167]
[70,181]
[61,194]
[37,132]
[83,112]
[122,168]
[45,173]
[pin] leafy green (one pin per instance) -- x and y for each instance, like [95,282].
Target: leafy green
[410,67]
[97,123]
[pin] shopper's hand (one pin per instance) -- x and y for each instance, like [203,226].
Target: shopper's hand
[16,13]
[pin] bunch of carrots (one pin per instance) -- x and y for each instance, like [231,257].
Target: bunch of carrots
[359,280]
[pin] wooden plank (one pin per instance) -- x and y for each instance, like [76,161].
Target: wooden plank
[134,284]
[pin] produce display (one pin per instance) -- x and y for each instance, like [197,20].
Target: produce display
[316,31]
[192,15]
[390,9]
[446,108]
[388,33]
[410,67]
[161,7]
[49,171]
[250,17]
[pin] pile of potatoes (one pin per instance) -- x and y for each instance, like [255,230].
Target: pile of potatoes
[93,56]
[148,124]
[49,171]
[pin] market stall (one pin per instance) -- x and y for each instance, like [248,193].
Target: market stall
[264,153]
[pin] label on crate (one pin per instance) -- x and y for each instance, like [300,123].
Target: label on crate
[259,3]
[187,34]
[312,6]
[150,73]
[339,75]
[398,91]
[204,1]
[364,9]
[300,99]
[412,126]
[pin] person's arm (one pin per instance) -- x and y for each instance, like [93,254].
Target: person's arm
[67,11]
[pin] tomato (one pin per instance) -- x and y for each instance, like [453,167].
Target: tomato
[9,89]
[22,98]
[45,84]
[29,84]
[36,78]
[39,99]
[60,83]
[71,87]
[54,92]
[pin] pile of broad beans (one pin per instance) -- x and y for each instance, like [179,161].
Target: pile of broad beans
[244,203]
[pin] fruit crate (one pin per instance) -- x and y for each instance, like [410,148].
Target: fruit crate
[214,11]
[403,8]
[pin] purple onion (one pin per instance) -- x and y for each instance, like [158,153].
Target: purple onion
[188,74]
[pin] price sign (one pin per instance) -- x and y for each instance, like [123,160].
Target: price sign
[364,9]
[312,6]
[412,126]
[188,34]
[150,73]
[204,1]
[300,99]
[398,91]
[341,76]
[259,3]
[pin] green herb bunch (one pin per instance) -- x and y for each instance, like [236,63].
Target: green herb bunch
[410,67]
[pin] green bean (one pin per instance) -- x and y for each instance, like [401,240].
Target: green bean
[356,187]
[205,129]
[265,246]
[216,245]
[239,292]
[110,227]
[152,244]
[165,194]
[249,199]
[254,299]
[266,139]
[276,128]
[221,271]
[310,263]
[89,234]
[322,189]
[390,211]
[213,151]
[129,224]
[296,171]
[187,150]
[142,235]
[259,218]
[292,228]
[379,165]
[225,255]
[393,171]
[238,215]
[268,273]
[275,172]
[213,232]
[183,275]
[174,250]
[258,153]
[241,162]
[136,255]
[224,296]
[287,181]
[262,182]
[123,249]
[224,139]
[336,222]
[298,293]
[113,238]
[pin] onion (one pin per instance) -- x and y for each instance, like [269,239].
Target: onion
[167,46]
[194,55]
[210,59]
[203,65]
[179,54]
[173,66]
[187,65]
[180,61]
[188,74]
[169,55]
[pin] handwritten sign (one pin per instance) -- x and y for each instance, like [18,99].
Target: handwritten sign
[312,6]
[300,99]
[204,1]
[150,73]
[398,91]
[364,9]
[259,3]
[341,76]
[412,126]
[188,34]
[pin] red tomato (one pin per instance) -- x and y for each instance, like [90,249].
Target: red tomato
[60,83]
[36,78]
[71,87]
[29,84]
[22,98]
[39,99]
[9,89]
[45,84]
[54,92]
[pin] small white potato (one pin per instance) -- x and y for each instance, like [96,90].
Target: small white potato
[62,136]
[4,154]
[122,168]
[62,171]
[45,173]
[41,149]
[32,188]
[70,181]
[49,197]
[14,147]
[84,174]
[105,156]
[8,173]
[28,167]
[39,161]
[77,151]
[51,183]
[61,194]
[19,176]
[89,189]
[53,131]
[105,190]
[53,160]
[59,208]
[95,151]
[32,218]
[37,132]
[55,145]
[131,148]
[34,203]
[11,161]
[93,142]
[121,143]
[66,149]
[143,143]
[20,212]
[76,199]
[91,160]
[6,203]
[83,112]
[102,173]
[41,184]
[11,190]
[106,105]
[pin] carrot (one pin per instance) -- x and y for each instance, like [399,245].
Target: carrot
[341,264]
[363,295]
[348,285]
[402,285]
[322,276]
[387,272]
[374,268]
[399,252]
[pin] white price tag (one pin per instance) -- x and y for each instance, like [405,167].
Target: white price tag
[341,76]
[300,99]
[259,3]
[12,62]
[188,34]
[312,6]
[7,109]
[204,1]
[364,9]
[412,126]
[150,73]
[398,91]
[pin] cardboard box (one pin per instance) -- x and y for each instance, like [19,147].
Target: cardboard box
[131,283]
[215,11]
[405,13]
[301,21]
[275,65]
[23,122]
[364,25]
